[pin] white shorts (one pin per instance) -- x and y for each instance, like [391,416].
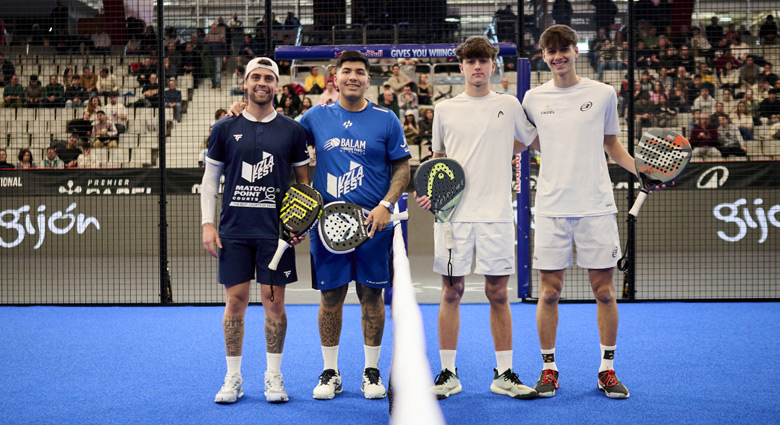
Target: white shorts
[596,238]
[494,242]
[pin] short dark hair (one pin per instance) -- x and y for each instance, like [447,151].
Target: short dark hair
[352,56]
[477,46]
[558,36]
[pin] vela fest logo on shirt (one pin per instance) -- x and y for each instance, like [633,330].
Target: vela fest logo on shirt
[347,182]
[252,173]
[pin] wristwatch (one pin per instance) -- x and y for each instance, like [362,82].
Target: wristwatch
[387,205]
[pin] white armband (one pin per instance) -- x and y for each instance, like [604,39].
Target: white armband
[209,190]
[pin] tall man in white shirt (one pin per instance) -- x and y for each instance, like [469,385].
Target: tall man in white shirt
[574,200]
[479,128]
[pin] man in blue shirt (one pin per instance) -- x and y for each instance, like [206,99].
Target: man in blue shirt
[256,151]
[173,99]
[363,158]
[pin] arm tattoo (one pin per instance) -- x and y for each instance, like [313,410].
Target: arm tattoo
[399,181]
[275,330]
[233,327]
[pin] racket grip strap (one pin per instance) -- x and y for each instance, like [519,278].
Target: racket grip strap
[640,199]
[280,248]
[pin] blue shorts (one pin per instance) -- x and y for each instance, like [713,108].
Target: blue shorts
[368,264]
[240,259]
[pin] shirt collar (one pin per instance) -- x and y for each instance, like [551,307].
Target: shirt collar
[268,118]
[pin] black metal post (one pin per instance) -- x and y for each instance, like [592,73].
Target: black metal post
[629,278]
[520,21]
[165,284]
[269,41]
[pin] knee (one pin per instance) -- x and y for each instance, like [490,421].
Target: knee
[497,295]
[368,295]
[452,294]
[604,293]
[549,295]
[236,304]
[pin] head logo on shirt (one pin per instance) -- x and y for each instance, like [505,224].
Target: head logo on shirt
[347,182]
[585,106]
[238,136]
[347,124]
[252,173]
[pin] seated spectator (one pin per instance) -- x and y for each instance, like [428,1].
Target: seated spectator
[172,53]
[700,45]
[133,46]
[407,101]
[237,81]
[191,62]
[151,93]
[54,94]
[769,108]
[768,75]
[314,83]
[729,104]
[658,91]
[686,60]
[729,77]
[52,160]
[106,84]
[397,79]
[33,94]
[7,70]
[666,115]
[93,105]
[249,48]
[86,160]
[388,100]
[148,40]
[704,137]
[645,112]
[62,42]
[729,138]
[408,67]
[505,87]
[145,71]
[665,78]
[305,106]
[669,61]
[219,114]
[750,71]
[330,94]
[25,159]
[707,78]
[678,101]
[13,94]
[426,126]
[173,99]
[714,31]
[4,160]
[752,106]
[725,58]
[704,102]
[75,94]
[88,80]
[170,69]
[82,127]
[411,131]
[104,132]
[102,43]
[331,74]
[116,113]
[761,89]
[743,121]
[289,92]
[425,91]
[768,32]
[86,46]
[644,56]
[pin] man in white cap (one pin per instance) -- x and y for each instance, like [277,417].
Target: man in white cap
[256,152]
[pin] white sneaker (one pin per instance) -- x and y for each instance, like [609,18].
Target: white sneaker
[274,388]
[509,384]
[446,384]
[372,384]
[329,385]
[232,389]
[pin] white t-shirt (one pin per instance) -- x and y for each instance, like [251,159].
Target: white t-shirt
[479,133]
[573,176]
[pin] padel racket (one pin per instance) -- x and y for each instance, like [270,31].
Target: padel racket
[660,158]
[443,181]
[301,208]
[341,226]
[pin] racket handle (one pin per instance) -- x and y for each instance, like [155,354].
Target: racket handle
[400,216]
[638,203]
[281,246]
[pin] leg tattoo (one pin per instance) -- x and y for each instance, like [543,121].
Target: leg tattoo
[275,330]
[233,327]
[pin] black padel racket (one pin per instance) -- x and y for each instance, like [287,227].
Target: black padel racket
[341,226]
[660,157]
[443,181]
[301,208]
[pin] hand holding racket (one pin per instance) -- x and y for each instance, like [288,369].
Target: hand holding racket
[301,208]
[442,181]
[660,158]
[342,226]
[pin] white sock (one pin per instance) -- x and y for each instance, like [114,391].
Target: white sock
[372,356]
[548,357]
[503,360]
[273,362]
[607,358]
[233,364]
[448,359]
[330,356]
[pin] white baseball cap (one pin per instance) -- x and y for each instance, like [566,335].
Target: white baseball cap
[261,63]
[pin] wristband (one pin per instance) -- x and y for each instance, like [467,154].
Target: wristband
[387,205]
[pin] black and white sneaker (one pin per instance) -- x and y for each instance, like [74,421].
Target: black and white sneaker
[509,384]
[329,385]
[372,384]
[547,383]
[446,384]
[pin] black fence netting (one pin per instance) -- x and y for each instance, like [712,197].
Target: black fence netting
[107,108]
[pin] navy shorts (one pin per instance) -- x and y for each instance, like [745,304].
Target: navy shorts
[241,260]
[368,264]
